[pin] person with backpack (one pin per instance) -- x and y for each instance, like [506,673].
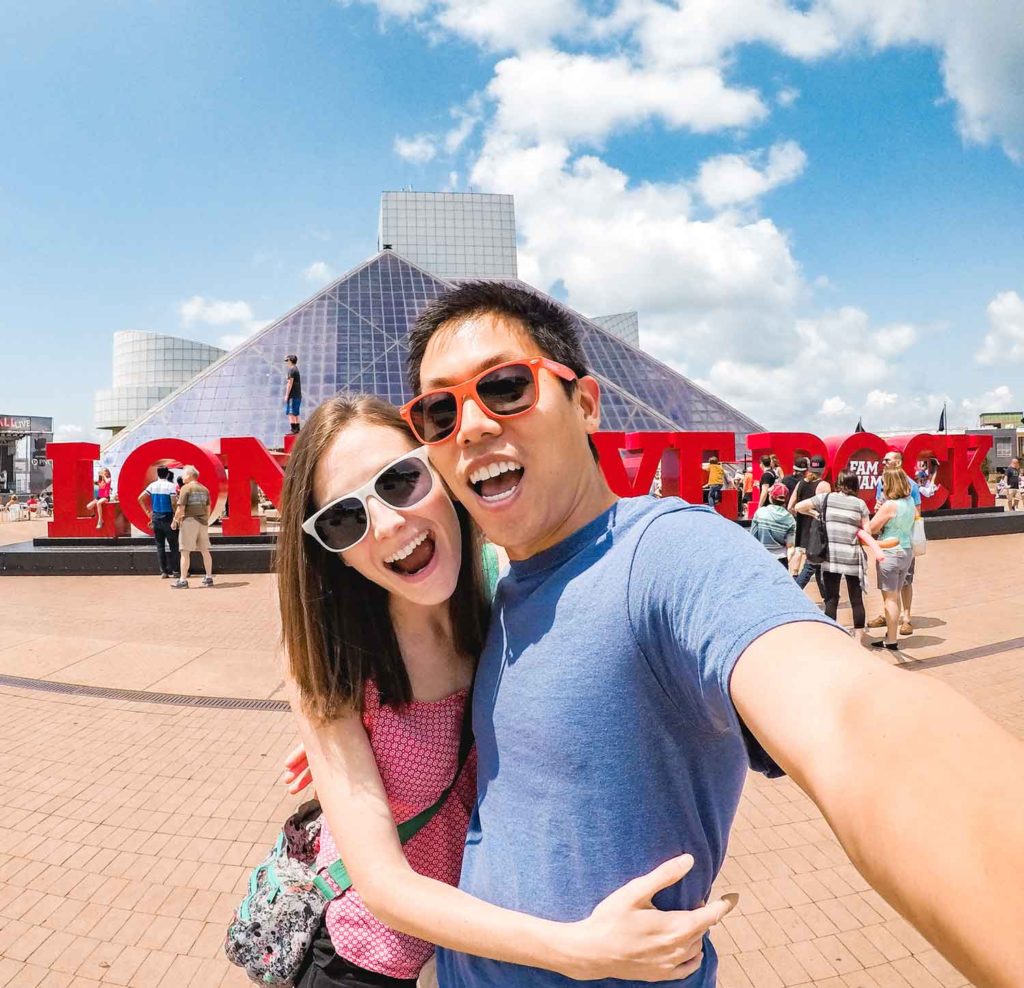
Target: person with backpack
[806,487]
[770,476]
[844,515]
[383,614]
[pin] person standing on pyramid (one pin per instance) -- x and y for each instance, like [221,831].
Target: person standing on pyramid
[293,392]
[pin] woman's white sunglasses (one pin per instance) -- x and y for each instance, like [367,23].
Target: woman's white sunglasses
[401,484]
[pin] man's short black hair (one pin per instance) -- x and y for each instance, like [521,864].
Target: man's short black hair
[547,324]
[163,473]
[292,359]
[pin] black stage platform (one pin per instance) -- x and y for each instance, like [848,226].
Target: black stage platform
[254,554]
[128,556]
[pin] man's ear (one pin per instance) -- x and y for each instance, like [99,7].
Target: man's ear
[588,393]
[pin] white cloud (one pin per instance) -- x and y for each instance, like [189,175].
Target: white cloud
[509,24]
[319,273]
[213,312]
[781,385]
[403,9]
[999,399]
[680,52]
[1005,338]
[703,32]
[891,341]
[419,150]
[497,25]
[581,222]
[980,45]
[467,118]
[835,406]
[787,96]
[228,341]
[731,179]
[981,50]
[217,312]
[67,430]
[878,399]
[552,95]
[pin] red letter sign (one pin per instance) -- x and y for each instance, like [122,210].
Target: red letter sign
[861,454]
[248,462]
[967,454]
[643,454]
[74,467]
[135,474]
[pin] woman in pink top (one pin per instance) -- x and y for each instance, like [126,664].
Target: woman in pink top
[103,488]
[383,616]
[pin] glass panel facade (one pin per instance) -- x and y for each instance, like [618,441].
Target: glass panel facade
[452,234]
[352,337]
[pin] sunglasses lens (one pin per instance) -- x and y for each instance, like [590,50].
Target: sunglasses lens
[434,416]
[405,484]
[508,390]
[342,524]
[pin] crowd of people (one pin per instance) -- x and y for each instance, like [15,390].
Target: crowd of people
[792,505]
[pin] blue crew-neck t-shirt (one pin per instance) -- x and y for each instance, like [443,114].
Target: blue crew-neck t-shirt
[606,736]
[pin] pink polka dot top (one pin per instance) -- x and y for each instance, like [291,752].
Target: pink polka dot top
[417,751]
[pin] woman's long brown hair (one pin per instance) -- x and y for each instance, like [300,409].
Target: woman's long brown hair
[895,483]
[335,624]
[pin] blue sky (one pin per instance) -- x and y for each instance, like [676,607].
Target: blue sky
[818,209]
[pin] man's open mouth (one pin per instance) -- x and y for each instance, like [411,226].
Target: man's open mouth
[415,555]
[496,481]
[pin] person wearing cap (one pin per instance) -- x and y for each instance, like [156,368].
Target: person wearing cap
[808,487]
[773,526]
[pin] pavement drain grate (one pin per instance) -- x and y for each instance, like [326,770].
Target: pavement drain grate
[144,696]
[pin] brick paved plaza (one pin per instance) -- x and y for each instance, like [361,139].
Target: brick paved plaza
[127,828]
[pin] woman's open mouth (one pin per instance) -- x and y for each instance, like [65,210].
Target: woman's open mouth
[416,555]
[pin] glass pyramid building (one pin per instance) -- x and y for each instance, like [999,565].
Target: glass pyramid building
[351,336]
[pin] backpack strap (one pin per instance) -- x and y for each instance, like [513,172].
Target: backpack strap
[408,829]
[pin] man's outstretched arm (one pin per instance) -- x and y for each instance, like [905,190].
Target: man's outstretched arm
[925,793]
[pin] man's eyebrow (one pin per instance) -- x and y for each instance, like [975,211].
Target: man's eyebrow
[431,384]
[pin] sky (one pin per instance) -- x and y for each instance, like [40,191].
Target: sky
[816,206]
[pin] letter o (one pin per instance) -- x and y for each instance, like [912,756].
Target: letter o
[134,476]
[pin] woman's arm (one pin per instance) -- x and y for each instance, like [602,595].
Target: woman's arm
[882,517]
[625,936]
[805,507]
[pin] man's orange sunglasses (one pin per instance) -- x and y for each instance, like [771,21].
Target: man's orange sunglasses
[505,390]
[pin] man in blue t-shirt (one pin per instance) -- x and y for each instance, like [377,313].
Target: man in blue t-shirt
[642,654]
[159,500]
[906,626]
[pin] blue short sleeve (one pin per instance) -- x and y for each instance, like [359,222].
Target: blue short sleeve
[700,592]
